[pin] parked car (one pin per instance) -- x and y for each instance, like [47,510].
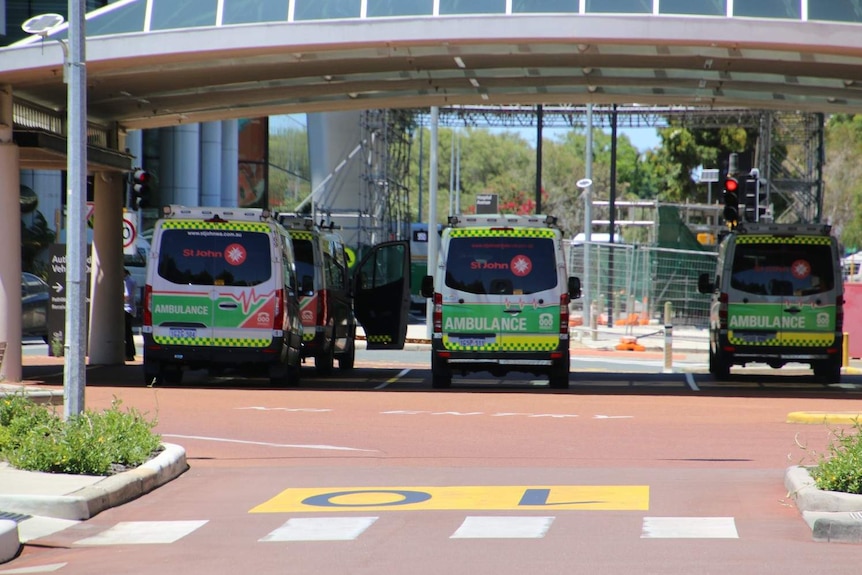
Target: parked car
[34,305]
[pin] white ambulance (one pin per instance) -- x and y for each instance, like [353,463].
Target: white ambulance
[501,299]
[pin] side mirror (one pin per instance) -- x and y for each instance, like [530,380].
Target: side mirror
[704,285]
[574,287]
[427,287]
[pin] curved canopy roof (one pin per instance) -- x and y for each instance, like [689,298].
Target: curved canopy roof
[154,63]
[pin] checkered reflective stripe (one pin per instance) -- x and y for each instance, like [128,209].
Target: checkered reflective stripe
[794,339]
[768,239]
[202,225]
[297,235]
[308,335]
[379,338]
[510,343]
[216,342]
[502,233]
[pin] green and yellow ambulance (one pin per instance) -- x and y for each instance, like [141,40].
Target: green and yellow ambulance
[500,299]
[777,298]
[221,293]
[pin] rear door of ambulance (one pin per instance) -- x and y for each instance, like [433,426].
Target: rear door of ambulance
[216,285]
[783,292]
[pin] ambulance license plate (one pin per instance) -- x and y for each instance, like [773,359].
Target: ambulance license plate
[475,341]
[183,332]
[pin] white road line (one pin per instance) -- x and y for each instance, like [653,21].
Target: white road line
[689,378]
[401,374]
[143,533]
[297,446]
[321,529]
[526,527]
[689,528]
[48,568]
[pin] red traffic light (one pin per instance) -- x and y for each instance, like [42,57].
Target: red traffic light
[731,184]
[141,176]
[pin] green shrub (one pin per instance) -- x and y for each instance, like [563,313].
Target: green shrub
[840,469]
[33,437]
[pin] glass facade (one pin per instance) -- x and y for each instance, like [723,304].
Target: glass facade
[620,6]
[326,9]
[450,7]
[382,8]
[544,6]
[186,14]
[169,14]
[250,11]
[693,7]
[775,8]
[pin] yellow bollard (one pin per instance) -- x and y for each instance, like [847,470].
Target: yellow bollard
[845,350]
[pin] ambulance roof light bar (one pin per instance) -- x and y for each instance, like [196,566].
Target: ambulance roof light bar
[216,214]
[503,220]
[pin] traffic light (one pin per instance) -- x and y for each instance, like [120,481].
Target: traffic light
[751,198]
[730,197]
[140,184]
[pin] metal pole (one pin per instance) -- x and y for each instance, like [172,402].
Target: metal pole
[540,120]
[421,150]
[668,337]
[74,375]
[588,224]
[612,208]
[433,238]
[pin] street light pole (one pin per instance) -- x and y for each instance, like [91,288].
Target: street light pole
[75,345]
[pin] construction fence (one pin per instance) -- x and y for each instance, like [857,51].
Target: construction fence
[630,285]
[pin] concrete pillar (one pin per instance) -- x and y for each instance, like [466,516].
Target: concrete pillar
[187,160]
[106,279]
[166,165]
[211,171]
[336,167]
[229,163]
[10,235]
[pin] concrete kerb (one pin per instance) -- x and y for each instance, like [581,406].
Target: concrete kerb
[832,516]
[88,501]
[109,492]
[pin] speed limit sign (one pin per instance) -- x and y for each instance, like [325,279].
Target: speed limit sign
[130,233]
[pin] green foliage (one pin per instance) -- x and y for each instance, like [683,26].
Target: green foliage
[841,468]
[34,438]
[842,175]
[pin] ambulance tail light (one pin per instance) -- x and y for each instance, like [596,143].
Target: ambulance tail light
[839,314]
[278,315]
[322,303]
[437,313]
[148,305]
[722,310]
[564,314]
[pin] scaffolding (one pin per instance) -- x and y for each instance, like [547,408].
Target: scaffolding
[384,201]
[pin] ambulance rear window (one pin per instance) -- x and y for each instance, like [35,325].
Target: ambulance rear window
[215,257]
[501,265]
[789,269]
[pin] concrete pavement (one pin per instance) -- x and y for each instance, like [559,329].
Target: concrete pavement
[33,505]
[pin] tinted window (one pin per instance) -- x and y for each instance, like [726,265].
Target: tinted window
[215,257]
[303,251]
[782,269]
[501,265]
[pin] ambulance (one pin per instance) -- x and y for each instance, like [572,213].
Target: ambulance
[501,298]
[777,298]
[221,293]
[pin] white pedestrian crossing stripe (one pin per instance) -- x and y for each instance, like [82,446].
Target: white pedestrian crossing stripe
[347,528]
[321,529]
[503,528]
[143,533]
[689,528]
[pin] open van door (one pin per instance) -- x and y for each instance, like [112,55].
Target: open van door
[381,294]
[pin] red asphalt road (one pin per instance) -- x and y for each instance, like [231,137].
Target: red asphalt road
[700,456]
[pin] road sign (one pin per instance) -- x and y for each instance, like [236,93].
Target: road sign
[709,175]
[57,297]
[130,232]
